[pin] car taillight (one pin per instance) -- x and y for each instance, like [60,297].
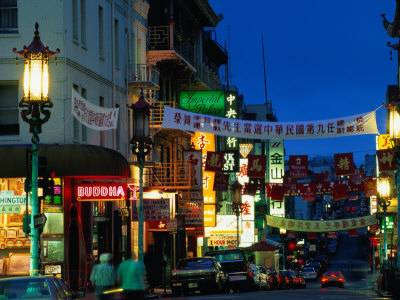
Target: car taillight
[324,279]
[340,279]
[333,275]
[287,280]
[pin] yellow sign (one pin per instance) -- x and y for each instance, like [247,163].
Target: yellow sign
[209,215]
[384,142]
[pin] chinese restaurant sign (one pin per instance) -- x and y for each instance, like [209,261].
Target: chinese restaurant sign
[276,161]
[100,192]
[298,166]
[321,226]
[153,210]
[231,112]
[93,116]
[204,102]
[364,123]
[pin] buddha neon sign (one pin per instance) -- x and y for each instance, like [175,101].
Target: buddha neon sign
[100,191]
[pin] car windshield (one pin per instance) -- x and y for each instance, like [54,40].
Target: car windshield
[199,263]
[225,256]
[25,288]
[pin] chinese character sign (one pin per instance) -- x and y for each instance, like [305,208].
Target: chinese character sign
[344,164]
[384,141]
[298,166]
[231,112]
[386,160]
[195,160]
[276,161]
[256,166]
[214,161]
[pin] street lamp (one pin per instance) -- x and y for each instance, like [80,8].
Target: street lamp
[394,131]
[237,206]
[384,202]
[141,146]
[36,100]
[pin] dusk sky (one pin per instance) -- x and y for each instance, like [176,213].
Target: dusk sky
[324,60]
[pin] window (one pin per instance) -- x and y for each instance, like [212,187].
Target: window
[9,113]
[102,132]
[116,40]
[8,16]
[101,32]
[75,20]
[83,22]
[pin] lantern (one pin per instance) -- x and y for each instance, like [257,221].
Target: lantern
[141,119]
[394,122]
[237,193]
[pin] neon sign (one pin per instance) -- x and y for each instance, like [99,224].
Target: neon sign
[100,191]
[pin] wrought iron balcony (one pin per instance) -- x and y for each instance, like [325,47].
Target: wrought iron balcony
[162,38]
[206,75]
[157,113]
[146,76]
[177,175]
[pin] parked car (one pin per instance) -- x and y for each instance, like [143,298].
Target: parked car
[204,274]
[257,277]
[266,280]
[309,273]
[38,287]
[332,279]
[283,280]
[317,267]
[302,282]
[273,277]
[234,263]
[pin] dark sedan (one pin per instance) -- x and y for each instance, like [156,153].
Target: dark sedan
[40,287]
[203,274]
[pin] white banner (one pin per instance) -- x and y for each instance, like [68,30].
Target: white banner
[93,116]
[364,123]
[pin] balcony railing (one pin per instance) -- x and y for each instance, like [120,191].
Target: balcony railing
[145,76]
[207,75]
[157,113]
[160,38]
[175,175]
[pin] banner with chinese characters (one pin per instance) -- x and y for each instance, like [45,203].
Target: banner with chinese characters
[321,226]
[363,123]
[93,116]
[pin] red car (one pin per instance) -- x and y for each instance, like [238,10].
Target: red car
[332,279]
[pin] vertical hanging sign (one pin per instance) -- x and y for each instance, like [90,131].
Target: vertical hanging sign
[276,161]
[231,112]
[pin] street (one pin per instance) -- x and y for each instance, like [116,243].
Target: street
[350,258]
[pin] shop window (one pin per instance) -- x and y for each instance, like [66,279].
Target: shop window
[54,223]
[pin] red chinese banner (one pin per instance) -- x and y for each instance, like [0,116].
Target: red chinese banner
[214,161]
[298,166]
[386,160]
[344,164]
[277,193]
[370,188]
[308,190]
[339,190]
[322,177]
[311,235]
[324,188]
[221,182]
[256,166]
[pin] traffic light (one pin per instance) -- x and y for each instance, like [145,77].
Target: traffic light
[26,224]
[291,245]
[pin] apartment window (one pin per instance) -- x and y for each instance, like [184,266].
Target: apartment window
[9,113]
[101,32]
[76,122]
[116,40]
[8,16]
[84,128]
[83,22]
[102,132]
[75,20]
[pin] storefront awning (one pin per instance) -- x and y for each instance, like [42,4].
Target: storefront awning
[82,161]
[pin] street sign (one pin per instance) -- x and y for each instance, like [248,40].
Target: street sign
[39,220]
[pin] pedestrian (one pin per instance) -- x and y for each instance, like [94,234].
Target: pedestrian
[103,277]
[131,275]
[153,264]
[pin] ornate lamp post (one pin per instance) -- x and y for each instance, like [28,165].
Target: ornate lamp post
[36,100]
[394,130]
[383,201]
[141,146]
[237,207]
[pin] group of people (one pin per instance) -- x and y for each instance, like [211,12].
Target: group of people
[131,276]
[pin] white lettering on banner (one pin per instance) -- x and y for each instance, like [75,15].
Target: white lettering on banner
[93,116]
[364,123]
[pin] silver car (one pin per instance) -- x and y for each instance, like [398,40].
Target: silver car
[309,273]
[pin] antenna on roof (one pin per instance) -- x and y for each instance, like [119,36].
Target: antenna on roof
[265,76]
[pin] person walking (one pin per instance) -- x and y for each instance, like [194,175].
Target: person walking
[153,263]
[103,277]
[131,275]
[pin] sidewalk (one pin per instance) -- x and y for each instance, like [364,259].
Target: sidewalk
[158,293]
[372,283]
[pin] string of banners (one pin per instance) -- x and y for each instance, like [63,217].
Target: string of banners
[321,226]
[364,123]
